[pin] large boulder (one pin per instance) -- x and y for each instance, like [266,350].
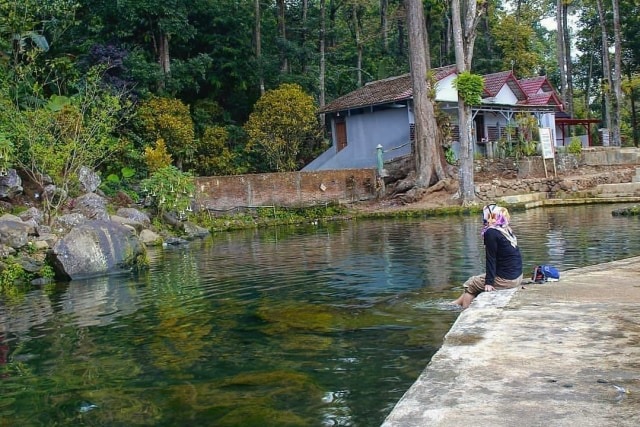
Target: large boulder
[96,248]
[14,232]
[150,238]
[91,206]
[135,215]
[32,213]
[64,223]
[10,184]
[89,180]
[194,231]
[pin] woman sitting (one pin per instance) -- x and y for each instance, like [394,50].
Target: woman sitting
[503,269]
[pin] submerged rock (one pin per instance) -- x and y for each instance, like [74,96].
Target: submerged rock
[632,211]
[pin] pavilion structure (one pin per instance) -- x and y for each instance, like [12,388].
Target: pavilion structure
[564,123]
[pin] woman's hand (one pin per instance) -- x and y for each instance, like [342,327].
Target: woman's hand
[489,288]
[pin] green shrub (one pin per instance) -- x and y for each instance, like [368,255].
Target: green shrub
[470,87]
[450,156]
[170,190]
[575,146]
[11,276]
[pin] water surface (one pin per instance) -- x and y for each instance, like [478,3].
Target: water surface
[301,326]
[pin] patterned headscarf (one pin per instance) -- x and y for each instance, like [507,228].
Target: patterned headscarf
[497,217]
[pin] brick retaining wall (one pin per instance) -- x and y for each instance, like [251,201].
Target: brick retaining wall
[286,189]
[294,189]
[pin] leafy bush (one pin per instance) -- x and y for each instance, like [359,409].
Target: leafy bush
[575,146]
[114,184]
[157,157]
[11,275]
[170,190]
[63,134]
[450,156]
[214,156]
[283,122]
[169,119]
[470,87]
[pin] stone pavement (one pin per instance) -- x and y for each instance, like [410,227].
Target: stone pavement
[562,353]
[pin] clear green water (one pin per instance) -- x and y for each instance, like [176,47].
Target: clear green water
[302,326]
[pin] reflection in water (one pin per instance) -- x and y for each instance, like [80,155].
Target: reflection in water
[295,326]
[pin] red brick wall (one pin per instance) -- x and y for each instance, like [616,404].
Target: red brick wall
[285,189]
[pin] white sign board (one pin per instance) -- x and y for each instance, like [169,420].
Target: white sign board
[546,143]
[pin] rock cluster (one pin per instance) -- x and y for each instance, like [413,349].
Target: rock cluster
[85,241]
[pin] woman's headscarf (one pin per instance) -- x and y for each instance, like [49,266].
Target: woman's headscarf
[498,218]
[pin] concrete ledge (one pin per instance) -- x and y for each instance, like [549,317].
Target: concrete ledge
[565,353]
[581,201]
[624,188]
[524,198]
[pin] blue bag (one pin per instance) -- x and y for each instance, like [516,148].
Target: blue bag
[545,273]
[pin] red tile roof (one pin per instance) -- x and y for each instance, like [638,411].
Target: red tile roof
[494,82]
[547,98]
[535,84]
[392,89]
[399,88]
[539,92]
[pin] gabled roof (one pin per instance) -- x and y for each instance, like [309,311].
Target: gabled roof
[384,91]
[535,91]
[535,85]
[378,92]
[545,98]
[494,82]
[539,92]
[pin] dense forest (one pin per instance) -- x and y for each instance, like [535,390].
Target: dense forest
[214,87]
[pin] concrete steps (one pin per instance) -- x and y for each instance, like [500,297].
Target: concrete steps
[607,193]
[625,189]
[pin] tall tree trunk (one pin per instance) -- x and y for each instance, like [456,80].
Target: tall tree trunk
[632,100]
[359,43]
[606,67]
[616,104]
[282,33]
[384,24]
[258,38]
[428,152]
[486,28]
[473,14]
[587,88]
[401,32]
[164,59]
[567,58]
[334,6]
[448,42]
[427,45]
[464,35]
[303,36]
[560,45]
[321,79]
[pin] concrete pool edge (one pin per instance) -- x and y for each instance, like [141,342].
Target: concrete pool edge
[559,353]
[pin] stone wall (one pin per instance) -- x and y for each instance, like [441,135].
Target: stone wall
[553,186]
[609,156]
[286,189]
[567,176]
[529,167]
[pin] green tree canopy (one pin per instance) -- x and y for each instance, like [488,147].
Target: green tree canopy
[169,119]
[283,121]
